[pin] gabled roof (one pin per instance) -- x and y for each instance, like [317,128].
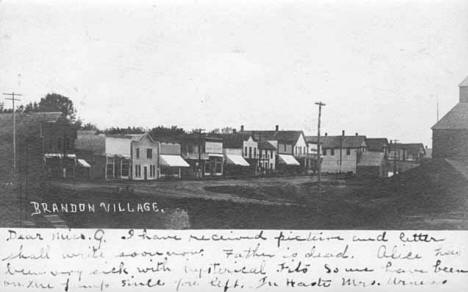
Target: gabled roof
[376,144]
[339,141]
[414,148]
[234,140]
[464,83]
[132,137]
[266,145]
[455,119]
[283,136]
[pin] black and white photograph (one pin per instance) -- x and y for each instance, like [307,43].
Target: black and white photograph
[234,115]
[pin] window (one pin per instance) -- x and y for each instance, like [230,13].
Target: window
[324,152]
[245,151]
[110,167]
[218,166]
[152,170]
[255,152]
[124,167]
[138,170]
[348,151]
[332,151]
[250,152]
[149,153]
[137,153]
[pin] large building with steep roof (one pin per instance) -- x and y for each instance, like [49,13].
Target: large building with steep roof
[450,134]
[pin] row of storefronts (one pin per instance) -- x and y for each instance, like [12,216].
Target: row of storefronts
[143,157]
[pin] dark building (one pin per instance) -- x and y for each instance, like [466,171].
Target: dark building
[44,145]
[450,134]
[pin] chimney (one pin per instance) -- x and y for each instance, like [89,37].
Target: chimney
[242,128]
[464,91]
[343,133]
[235,131]
[277,128]
[357,134]
[326,134]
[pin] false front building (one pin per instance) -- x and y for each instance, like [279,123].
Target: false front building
[132,156]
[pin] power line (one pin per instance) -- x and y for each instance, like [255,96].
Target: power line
[13,99]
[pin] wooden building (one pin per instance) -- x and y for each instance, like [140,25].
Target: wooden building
[450,134]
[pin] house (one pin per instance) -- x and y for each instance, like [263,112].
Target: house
[405,156]
[44,145]
[203,153]
[377,145]
[128,156]
[450,134]
[313,149]
[267,158]
[240,154]
[291,148]
[341,154]
[413,152]
[373,162]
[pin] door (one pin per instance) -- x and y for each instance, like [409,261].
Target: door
[145,172]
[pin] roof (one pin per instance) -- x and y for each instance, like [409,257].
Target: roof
[283,136]
[464,82]
[371,159]
[410,147]
[340,141]
[376,144]
[195,137]
[234,140]
[126,136]
[266,145]
[455,119]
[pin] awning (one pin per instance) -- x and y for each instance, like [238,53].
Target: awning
[236,160]
[215,155]
[288,159]
[83,163]
[173,161]
[58,155]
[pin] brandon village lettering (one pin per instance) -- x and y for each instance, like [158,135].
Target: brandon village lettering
[73,208]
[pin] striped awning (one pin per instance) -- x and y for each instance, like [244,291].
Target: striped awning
[236,160]
[288,159]
[173,161]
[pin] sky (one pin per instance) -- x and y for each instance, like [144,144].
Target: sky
[379,66]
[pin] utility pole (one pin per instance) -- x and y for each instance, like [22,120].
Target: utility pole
[200,168]
[395,156]
[13,99]
[319,168]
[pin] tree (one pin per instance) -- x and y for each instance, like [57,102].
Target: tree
[54,102]
[124,131]
[161,131]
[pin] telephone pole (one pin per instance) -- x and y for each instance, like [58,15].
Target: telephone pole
[319,165]
[13,99]
[395,156]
